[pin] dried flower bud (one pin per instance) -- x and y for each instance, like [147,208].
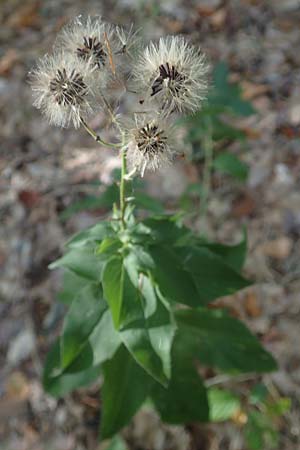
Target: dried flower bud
[65,89]
[174,74]
[149,144]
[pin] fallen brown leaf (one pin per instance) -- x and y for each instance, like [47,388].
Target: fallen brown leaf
[252,306]
[218,18]
[25,17]
[278,248]
[243,206]
[29,198]
[8,61]
[252,90]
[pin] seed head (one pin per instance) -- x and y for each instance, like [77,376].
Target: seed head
[129,41]
[174,74]
[63,88]
[90,40]
[149,144]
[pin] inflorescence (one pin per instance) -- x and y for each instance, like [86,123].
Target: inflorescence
[90,57]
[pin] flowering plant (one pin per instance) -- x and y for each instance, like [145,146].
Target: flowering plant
[139,291]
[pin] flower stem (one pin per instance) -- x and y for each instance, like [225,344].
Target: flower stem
[98,138]
[122,188]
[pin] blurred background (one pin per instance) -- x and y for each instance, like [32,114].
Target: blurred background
[55,182]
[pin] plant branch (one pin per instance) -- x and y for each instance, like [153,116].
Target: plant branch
[96,136]
[220,379]
[122,187]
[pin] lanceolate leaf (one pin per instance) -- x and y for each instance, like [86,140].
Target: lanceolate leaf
[126,386]
[83,262]
[220,341]
[104,340]
[57,382]
[167,230]
[83,315]
[233,255]
[212,276]
[231,164]
[120,294]
[126,306]
[175,283]
[160,323]
[185,399]
[72,284]
[96,233]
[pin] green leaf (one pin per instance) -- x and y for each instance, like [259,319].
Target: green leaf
[220,341]
[93,234]
[126,386]
[83,315]
[144,201]
[120,293]
[223,131]
[117,443]
[233,255]
[91,202]
[109,245]
[175,283]
[232,165]
[83,262]
[59,383]
[223,404]
[160,324]
[259,432]
[258,394]
[72,284]
[104,340]
[185,398]
[254,430]
[228,94]
[220,75]
[212,276]
[166,230]
[125,303]
[280,407]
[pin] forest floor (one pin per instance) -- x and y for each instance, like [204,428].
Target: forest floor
[43,169]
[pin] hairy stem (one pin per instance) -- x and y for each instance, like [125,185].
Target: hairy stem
[122,187]
[98,138]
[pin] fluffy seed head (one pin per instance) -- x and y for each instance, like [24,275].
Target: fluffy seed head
[149,145]
[174,74]
[90,40]
[64,89]
[129,41]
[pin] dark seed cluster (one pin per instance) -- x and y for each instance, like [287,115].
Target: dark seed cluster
[151,140]
[92,48]
[173,77]
[68,89]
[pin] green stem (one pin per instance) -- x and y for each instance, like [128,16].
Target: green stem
[208,155]
[98,138]
[122,187]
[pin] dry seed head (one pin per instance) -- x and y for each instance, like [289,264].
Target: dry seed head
[149,145]
[128,40]
[90,40]
[174,75]
[64,89]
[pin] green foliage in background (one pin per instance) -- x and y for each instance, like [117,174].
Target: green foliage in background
[224,102]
